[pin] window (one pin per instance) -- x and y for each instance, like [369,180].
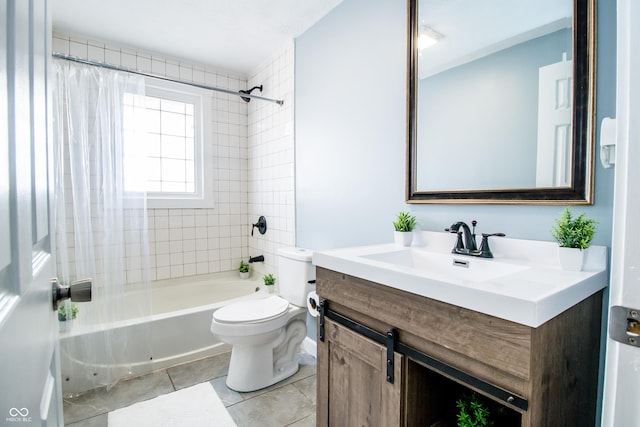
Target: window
[165,145]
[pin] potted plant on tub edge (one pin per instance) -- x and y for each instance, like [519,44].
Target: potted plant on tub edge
[243,269]
[66,315]
[269,281]
[574,235]
[404,225]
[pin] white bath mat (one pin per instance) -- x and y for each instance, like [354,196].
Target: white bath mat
[197,406]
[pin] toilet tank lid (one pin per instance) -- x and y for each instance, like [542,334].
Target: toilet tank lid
[298,254]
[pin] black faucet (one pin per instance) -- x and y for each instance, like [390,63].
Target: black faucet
[469,245]
[469,236]
[259,258]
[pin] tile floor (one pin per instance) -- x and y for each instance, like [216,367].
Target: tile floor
[289,403]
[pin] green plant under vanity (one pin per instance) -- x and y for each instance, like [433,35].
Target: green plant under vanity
[269,280]
[244,267]
[63,312]
[472,412]
[405,222]
[574,231]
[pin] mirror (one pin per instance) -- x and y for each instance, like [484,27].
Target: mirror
[500,101]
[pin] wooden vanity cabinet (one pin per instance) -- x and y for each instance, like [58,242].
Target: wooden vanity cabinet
[545,376]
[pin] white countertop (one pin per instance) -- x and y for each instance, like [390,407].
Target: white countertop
[533,290]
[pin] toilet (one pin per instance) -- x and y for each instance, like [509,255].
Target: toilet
[266,333]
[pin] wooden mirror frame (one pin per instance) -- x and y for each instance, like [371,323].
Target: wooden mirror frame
[580,192]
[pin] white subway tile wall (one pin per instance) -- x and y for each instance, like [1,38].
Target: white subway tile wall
[271,159]
[252,161]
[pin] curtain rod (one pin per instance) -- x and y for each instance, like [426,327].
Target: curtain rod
[155,76]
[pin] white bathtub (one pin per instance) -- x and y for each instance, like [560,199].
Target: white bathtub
[177,331]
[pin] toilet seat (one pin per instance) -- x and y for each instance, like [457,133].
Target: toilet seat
[252,311]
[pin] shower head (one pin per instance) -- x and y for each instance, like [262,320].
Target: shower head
[248,92]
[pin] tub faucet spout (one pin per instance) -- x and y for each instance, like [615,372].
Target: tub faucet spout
[259,258]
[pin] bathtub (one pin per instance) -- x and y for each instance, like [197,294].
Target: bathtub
[178,331]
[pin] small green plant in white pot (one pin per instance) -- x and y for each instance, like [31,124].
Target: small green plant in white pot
[66,314]
[404,225]
[243,269]
[574,235]
[269,282]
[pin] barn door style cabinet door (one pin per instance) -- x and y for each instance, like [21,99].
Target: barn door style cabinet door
[387,357]
[355,376]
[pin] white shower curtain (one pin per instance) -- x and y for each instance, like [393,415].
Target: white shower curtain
[101,228]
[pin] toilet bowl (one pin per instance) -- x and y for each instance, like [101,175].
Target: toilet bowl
[265,334]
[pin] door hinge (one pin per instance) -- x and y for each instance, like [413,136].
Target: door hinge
[624,325]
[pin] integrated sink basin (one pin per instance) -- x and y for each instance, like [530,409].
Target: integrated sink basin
[523,283]
[447,266]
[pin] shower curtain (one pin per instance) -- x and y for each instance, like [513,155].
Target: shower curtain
[99,211]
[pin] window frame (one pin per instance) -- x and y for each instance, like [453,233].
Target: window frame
[203,196]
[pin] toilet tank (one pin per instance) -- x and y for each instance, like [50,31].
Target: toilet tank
[295,270]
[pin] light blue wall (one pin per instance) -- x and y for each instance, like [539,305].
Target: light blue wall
[350,119]
[350,134]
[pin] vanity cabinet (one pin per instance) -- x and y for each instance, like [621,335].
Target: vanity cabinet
[544,376]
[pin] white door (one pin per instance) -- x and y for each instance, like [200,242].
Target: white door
[554,124]
[29,388]
[622,369]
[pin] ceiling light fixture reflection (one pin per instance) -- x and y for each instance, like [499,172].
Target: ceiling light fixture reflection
[427,37]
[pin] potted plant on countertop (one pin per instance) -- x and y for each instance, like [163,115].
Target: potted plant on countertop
[269,282]
[66,314]
[404,225]
[243,269]
[573,234]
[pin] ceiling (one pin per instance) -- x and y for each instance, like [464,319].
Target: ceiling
[236,35]
[239,35]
